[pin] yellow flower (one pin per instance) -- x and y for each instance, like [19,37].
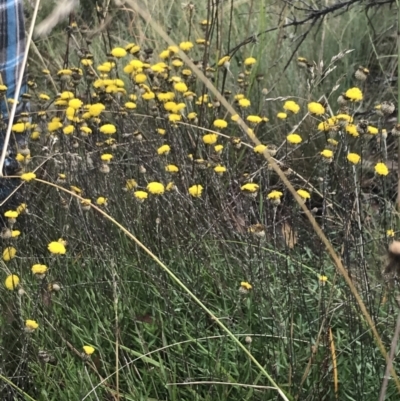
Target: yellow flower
[69,129]
[316,108]
[180,87]
[185,46]
[11,214]
[281,115]
[163,150]
[223,61]
[130,105]
[75,103]
[294,139]
[76,189]
[244,103]
[250,61]
[333,142]
[56,248]
[171,168]
[250,187]
[390,233]
[11,282]
[381,169]
[140,78]
[101,201]
[9,253]
[22,208]
[220,169]
[372,130]
[106,157]
[196,190]
[192,116]
[155,188]
[235,117]
[96,109]
[140,195]
[118,52]
[15,233]
[220,124]
[274,195]
[161,131]
[31,325]
[210,139]
[322,279]
[245,285]
[254,119]
[353,158]
[39,269]
[260,149]
[292,106]
[354,95]
[88,350]
[131,184]
[28,176]
[218,148]
[108,129]
[327,154]
[303,194]
[352,130]
[19,127]
[173,118]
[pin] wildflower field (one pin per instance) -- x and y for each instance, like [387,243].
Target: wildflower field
[204,200]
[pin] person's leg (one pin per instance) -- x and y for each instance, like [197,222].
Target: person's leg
[12,48]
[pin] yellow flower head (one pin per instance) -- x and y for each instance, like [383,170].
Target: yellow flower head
[171,168]
[106,157]
[155,188]
[303,193]
[254,119]
[28,176]
[75,103]
[218,148]
[220,169]
[294,139]
[220,124]
[164,150]
[39,269]
[316,108]
[108,129]
[31,325]
[381,169]
[354,95]
[88,350]
[96,109]
[244,103]
[180,87]
[118,52]
[250,61]
[322,279]
[9,253]
[327,154]
[281,115]
[353,158]
[185,46]
[250,187]
[210,139]
[11,214]
[56,248]
[131,184]
[390,233]
[11,282]
[292,106]
[140,195]
[274,195]
[101,201]
[260,149]
[196,190]
[245,285]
